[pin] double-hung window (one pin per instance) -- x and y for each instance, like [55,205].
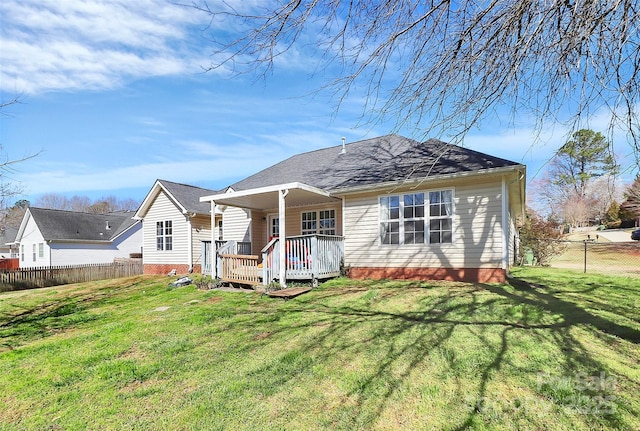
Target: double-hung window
[321,222]
[417,218]
[164,235]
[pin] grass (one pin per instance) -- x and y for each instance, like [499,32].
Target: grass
[553,349]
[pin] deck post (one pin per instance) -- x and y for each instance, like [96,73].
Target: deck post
[282,244]
[214,253]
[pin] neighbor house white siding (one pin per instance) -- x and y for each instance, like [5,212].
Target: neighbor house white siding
[56,253]
[32,237]
[477,233]
[89,253]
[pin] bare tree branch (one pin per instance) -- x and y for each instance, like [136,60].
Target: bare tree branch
[448,65]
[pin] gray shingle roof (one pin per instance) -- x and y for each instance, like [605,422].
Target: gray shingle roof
[189,196]
[390,158]
[78,226]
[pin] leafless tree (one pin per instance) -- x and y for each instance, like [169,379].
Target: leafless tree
[447,65]
[102,205]
[9,189]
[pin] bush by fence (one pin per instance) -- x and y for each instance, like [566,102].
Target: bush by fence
[29,278]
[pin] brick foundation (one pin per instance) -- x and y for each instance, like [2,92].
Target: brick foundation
[477,275]
[164,268]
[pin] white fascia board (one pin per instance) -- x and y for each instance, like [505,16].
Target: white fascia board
[23,226]
[263,190]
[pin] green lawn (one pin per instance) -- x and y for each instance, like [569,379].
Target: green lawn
[551,350]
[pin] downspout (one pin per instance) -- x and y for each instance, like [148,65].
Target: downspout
[282,244]
[505,225]
[212,248]
[190,243]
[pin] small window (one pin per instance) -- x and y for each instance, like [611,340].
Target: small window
[321,222]
[22,253]
[309,223]
[164,235]
[327,222]
[41,250]
[34,252]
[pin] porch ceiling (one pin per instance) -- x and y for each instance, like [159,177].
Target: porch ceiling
[264,198]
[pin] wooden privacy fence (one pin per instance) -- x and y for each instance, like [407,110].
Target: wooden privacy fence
[28,278]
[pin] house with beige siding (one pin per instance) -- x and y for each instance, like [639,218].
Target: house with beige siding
[49,237]
[387,207]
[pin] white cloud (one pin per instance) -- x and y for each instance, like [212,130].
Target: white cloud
[77,45]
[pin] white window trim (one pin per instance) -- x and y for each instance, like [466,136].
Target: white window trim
[318,211]
[427,218]
[164,236]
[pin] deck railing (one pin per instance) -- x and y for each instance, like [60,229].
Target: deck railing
[309,257]
[239,268]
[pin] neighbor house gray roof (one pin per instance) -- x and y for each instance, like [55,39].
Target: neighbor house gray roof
[59,225]
[385,159]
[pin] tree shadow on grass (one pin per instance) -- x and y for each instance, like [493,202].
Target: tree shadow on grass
[43,319]
[406,340]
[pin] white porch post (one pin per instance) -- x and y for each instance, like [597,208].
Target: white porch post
[212,247]
[282,233]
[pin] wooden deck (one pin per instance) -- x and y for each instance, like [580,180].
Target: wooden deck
[288,293]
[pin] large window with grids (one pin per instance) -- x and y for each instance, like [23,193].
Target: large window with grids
[321,222]
[164,235]
[417,218]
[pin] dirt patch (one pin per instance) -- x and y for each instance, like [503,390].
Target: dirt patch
[262,336]
[215,299]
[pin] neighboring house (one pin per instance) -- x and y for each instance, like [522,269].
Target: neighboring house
[177,228]
[8,248]
[48,237]
[7,238]
[397,207]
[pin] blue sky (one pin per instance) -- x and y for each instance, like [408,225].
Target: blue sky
[113,96]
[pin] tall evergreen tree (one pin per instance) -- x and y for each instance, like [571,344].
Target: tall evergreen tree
[581,160]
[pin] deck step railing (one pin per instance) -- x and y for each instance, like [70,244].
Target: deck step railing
[240,268]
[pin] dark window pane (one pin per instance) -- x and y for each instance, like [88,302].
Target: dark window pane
[408,212]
